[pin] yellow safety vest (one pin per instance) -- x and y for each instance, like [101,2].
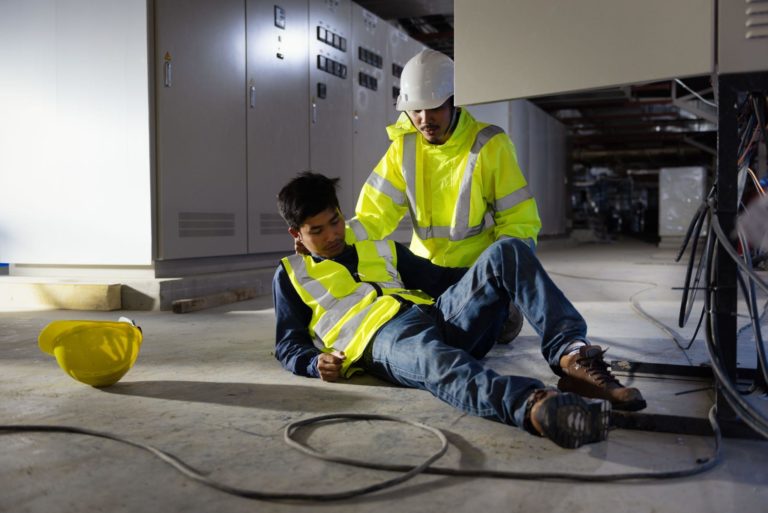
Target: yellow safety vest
[347,312]
[461,196]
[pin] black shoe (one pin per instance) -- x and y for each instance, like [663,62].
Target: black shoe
[567,419]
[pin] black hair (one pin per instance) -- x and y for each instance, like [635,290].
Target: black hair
[305,196]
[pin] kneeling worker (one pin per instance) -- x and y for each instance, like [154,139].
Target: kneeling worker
[377,307]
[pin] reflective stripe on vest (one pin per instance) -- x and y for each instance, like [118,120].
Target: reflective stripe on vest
[383,250]
[384,187]
[358,229]
[336,309]
[512,199]
[460,229]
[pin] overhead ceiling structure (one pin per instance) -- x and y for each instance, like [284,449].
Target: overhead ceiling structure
[642,126]
[428,21]
[648,126]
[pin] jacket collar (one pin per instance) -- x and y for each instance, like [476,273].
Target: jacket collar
[404,126]
[344,255]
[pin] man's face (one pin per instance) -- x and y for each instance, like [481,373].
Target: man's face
[433,124]
[322,234]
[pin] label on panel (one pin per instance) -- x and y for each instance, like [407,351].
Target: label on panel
[369,94]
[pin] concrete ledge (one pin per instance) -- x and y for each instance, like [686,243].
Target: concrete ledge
[160,293]
[115,293]
[41,294]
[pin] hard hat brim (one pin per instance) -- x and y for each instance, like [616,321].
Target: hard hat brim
[47,338]
[403,105]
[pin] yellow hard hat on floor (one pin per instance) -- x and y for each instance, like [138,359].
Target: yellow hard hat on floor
[97,353]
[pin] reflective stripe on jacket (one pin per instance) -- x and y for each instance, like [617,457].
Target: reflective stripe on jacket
[347,310]
[461,196]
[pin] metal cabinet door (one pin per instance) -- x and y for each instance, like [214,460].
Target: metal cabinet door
[200,130]
[330,92]
[369,94]
[278,114]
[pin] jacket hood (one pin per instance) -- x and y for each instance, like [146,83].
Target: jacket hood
[401,127]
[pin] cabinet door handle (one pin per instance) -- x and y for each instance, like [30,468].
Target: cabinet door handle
[314,112]
[168,74]
[252,96]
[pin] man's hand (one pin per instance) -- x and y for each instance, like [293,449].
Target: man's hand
[299,247]
[329,365]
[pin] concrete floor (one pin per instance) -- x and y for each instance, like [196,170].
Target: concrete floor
[206,387]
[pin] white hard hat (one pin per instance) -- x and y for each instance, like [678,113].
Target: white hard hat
[426,81]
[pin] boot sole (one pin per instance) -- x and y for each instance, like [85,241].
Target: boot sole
[568,384]
[572,421]
[630,405]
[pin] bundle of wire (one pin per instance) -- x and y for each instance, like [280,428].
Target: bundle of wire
[752,133]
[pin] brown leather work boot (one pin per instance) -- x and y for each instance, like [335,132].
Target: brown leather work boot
[587,374]
[567,419]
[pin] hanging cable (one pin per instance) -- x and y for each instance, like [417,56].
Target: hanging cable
[693,234]
[753,418]
[750,120]
[756,182]
[697,95]
[728,247]
[751,294]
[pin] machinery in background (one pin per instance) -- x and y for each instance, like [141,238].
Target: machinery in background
[609,205]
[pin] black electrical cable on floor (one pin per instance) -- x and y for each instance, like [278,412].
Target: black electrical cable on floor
[407,471]
[703,464]
[249,493]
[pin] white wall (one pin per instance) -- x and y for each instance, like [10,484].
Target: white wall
[74,133]
[493,113]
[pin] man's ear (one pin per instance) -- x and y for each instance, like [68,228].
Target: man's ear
[294,233]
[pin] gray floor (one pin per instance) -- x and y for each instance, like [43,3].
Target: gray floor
[207,388]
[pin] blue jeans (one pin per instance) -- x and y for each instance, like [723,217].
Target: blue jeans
[437,348]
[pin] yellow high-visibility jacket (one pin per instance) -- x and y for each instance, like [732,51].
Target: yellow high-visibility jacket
[462,195]
[347,310]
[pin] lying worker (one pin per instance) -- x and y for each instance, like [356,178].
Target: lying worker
[370,306]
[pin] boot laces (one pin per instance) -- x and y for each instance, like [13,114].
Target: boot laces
[598,369]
